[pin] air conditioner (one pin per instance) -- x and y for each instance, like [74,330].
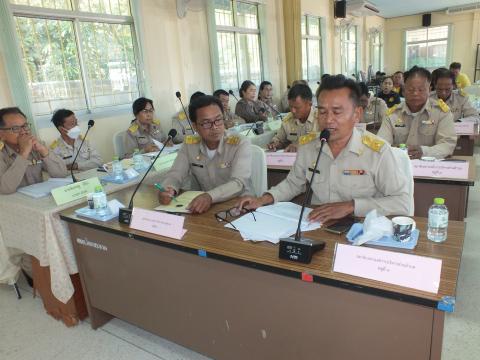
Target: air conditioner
[361,8]
[462,8]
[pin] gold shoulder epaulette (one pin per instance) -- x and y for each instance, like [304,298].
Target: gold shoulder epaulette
[133,128]
[81,137]
[1,145]
[391,110]
[192,139]
[54,144]
[181,115]
[305,139]
[462,93]
[156,121]
[442,105]
[373,143]
[233,140]
[288,117]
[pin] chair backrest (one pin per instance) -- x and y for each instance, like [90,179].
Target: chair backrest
[118,143]
[405,165]
[259,170]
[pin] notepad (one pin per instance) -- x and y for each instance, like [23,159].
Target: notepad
[180,203]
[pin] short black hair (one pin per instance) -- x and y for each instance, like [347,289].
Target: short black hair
[398,72]
[263,84]
[442,73]
[301,90]
[245,85]
[418,71]
[455,65]
[58,118]
[363,89]
[196,95]
[339,81]
[9,111]
[324,76]
[201,102]
[219,92]
[140,104]
[385,78]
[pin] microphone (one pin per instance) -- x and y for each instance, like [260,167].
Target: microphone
[254,125]
[125,214]
[90,125]
[179,97]
[298,248]
[231,93]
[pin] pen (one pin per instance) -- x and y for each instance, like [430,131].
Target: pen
[162,189]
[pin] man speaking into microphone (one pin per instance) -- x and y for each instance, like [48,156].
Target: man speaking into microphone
[357,170]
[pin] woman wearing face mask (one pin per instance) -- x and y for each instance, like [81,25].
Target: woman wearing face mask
[67,145]
[248,108]
[387,94]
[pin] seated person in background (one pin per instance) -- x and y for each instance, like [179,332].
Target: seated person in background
[220,164]
[143,128]
[461,79]
[230,118]
[180,121]
[67,145]
[424,125]
[300,121]
[265,95]
[398,82]
[357,170]
[377,80]
[247,107]
[284,105]
[387,94]
[22,156]
[373,109]
[457,100]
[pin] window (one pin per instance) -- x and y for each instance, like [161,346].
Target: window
[427,47]
[311,48]
[348,40]
[376,50]
[237,43]
[78,54]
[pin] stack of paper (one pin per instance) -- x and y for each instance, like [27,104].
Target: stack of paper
[273,222]
[44,188]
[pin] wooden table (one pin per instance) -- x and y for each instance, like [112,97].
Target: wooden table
[230,299]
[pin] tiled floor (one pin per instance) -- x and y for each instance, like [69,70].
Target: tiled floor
[27,333]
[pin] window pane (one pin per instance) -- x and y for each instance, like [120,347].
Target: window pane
[247,15]
[249,58]
[110,63]
[111,7]
[439,32]
[416,35]
[226,60]
[304,26]
[313,60]
[416,55]
[313,26]
[352,34]
[51,64]
[50,4]
[304,60]
[351,63]
[223,12]
[437,54]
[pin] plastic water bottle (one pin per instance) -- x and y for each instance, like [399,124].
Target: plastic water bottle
[100,202]
[437,221]
[117,169]
[138,163]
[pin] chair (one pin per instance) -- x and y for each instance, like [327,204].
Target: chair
[259,170]
[405,165]
[118,143]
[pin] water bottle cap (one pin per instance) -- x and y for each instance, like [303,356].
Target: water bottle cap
[98,188]
[402,146]
[439,201]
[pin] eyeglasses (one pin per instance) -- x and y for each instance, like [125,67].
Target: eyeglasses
[17,129]
[233,212]
[209,124]
[148,111]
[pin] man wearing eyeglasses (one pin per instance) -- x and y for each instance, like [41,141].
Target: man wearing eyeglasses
[218,163]
[22,156]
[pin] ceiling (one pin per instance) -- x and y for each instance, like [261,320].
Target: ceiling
[395,8]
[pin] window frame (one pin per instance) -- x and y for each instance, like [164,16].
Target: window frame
[321,41]
[342,51]
[380,46]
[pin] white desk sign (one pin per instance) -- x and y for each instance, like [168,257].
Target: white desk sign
[361,126]
[465,128]
[158,223]
[412,271]
[441,169]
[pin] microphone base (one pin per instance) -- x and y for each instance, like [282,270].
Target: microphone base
[125,216]
[300,250]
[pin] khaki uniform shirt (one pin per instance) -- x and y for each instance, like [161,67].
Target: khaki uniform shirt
[432,128]
[459,104]
[223,177]
[375,111]
[365,171]
[138,137]
[17,172]
[89,158]
[292,129]
[250,110]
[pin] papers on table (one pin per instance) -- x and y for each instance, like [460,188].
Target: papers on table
[180,203]
[273,222]
[167,150]
[44,188]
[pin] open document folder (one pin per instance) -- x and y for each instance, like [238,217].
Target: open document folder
[273,222]
[179,204]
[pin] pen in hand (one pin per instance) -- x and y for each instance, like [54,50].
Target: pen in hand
[162,189]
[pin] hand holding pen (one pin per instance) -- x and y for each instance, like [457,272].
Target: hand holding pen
[166,195]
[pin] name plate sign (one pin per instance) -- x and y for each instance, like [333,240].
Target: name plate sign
[158,223]
[280,158]
[361,126]
[412,271]
[165,162]
[75,191]
[441,169]
[465,128]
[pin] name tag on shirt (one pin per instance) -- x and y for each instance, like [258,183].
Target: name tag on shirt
[67,157]
[316,171]
[293,134]
[197,165]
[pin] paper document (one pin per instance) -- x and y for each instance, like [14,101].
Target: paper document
[273,222]
[44,188]
[168,149]
[180,203]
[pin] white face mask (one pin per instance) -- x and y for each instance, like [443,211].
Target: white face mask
[74,132]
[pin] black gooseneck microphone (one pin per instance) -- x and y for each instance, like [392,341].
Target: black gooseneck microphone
[298,248]
[90,125]
[232,93]
[125,214]
[179,97]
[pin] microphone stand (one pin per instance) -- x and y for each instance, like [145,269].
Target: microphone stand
[78,152]
[232,93]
